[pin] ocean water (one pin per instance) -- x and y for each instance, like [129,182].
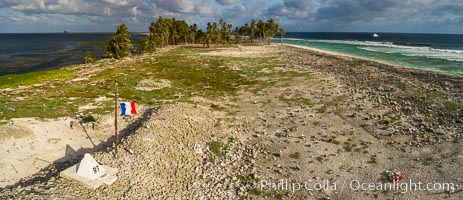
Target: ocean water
[437,52]
[22,53]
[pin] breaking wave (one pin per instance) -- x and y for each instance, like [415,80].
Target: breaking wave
[405,49]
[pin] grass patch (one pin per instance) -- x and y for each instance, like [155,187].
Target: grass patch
[190,75]
[430,96]
[218,148]
[295,155]
[217,123]
[292,128]
[211,159]
[334,141]
[256,191]
[393,118]
[347,147]
[243,179]
[16,80]
[427,161]
[322,109]
[451,106]
[372,161]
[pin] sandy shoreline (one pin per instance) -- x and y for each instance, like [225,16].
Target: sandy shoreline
[372,60]
[315,116]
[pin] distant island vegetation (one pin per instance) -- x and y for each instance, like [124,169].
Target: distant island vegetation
[170,31]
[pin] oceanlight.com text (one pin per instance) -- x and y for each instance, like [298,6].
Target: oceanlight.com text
[403,186]
[355,185]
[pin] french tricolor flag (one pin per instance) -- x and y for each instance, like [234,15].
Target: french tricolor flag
[128,108]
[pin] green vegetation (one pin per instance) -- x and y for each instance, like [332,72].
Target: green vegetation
[282,34]
[94,43]
[256,191]
[15,80]
[190,75]
[211,159]
[170,31]
[218,148]
[119,45]
[217,123]
[333,140]
[295,155]
[451,106]
[88,58]
[392,118]
[348,147]
[243,179]
[336,142]
[427,161]
[279,196]
[430,96]
[372,161]
[322,109]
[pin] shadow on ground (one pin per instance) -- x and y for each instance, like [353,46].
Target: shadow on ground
[72,156]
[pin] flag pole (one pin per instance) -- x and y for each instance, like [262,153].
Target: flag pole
[115,119]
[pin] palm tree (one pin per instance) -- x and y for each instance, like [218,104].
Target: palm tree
[253,30]
[237,35]
[270,28]
[282,34]
[261,29]
[245,30]
[209,33]
[147,44]
[193,33]
[119,45]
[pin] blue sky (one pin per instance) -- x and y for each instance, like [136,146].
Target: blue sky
[425,16]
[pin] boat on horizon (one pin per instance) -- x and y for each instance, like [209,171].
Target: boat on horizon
[375,35]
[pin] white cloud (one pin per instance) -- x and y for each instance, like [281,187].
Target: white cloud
[118,2]
[204,8]
[134,11]
[30,5]
[107,11]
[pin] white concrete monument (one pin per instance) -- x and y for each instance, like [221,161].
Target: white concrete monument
[90,173]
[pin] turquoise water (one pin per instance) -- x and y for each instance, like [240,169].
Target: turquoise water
[448,61]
